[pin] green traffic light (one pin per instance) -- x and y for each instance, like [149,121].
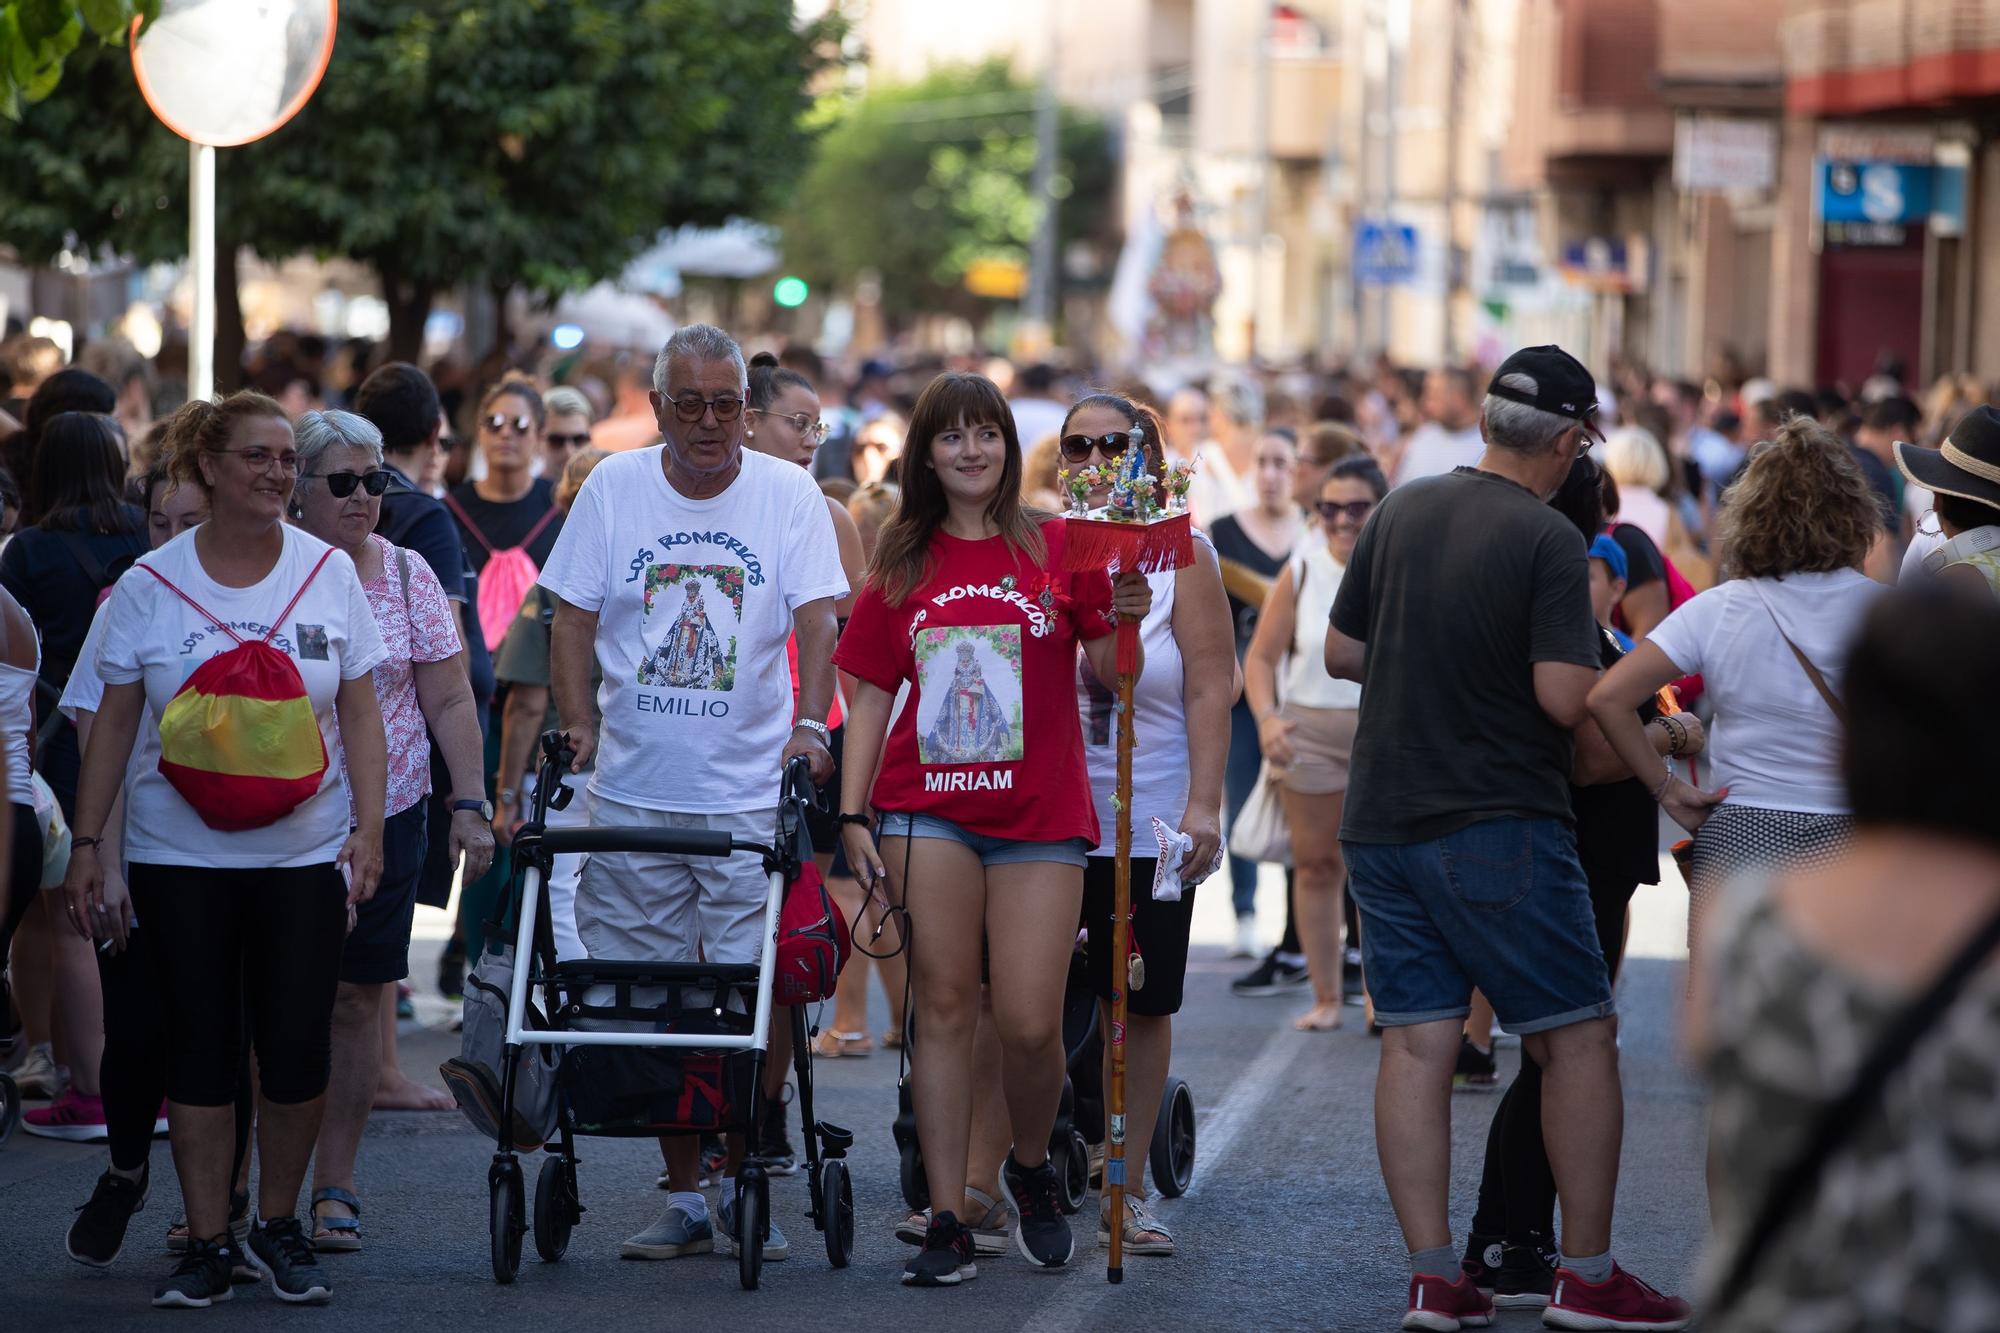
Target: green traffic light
[790,291]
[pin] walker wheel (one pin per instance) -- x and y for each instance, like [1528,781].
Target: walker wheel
[505,1220]
[555,1208]
[916,1187]
[1172,1151]
[1074,1172]
[749,1236]
[836,1192]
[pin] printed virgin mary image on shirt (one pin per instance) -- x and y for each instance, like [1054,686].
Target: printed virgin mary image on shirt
[698,649]
[969,711]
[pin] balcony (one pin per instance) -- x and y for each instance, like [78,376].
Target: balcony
[1587,94]
[1847,56]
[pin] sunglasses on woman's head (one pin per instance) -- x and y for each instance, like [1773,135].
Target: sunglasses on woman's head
[1355,510]
[1076,448]
[521,424]
[341,484]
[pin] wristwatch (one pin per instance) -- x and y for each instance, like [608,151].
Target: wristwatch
[819,729]
[485,808]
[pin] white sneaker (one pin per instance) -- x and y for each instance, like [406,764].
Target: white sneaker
[37,1076]
[1246,938]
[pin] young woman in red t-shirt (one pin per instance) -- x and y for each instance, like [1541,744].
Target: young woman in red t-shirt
[986,811]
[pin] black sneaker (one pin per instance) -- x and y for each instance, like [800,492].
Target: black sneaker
[1273,976]
[1524,1280]
[946,1259]
[199,1280]
[1476,1068]
[780,1158]
[280,1249]
[99,1230]
[1483,1255]
[1042,1234]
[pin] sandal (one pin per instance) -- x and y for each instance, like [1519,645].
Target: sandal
[239,1223]
[992,1230]
[892,1040]
[336,1235]
[832,1044]
[1138,1223]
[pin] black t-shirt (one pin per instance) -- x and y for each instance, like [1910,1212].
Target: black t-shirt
[420,523]
[504,525]
[1459,585]
[1643,562]
[1882,481]
[1233,543]
[1617,824]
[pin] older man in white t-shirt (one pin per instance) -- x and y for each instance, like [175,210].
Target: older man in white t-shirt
[684,569]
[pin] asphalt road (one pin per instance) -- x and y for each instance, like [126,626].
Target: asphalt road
[1287,1225]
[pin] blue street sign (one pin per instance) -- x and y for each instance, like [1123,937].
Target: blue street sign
[1385,253]
[1879,192]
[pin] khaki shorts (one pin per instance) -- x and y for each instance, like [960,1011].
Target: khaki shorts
[646,908]
[1322,748]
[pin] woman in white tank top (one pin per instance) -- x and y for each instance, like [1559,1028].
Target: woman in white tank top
[1306,724]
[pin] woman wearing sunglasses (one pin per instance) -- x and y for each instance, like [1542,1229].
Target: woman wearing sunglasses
[510,507]
[1310,734]
[421,684]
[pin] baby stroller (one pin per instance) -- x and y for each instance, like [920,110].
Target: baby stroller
[1079,1127]
[699,1070]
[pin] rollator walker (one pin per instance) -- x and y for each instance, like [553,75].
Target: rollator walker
[698,1070]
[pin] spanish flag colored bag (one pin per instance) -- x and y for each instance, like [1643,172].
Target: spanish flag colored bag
[240,742]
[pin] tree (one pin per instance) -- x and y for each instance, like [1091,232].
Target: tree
[37,37]
[918,181]
[503,143]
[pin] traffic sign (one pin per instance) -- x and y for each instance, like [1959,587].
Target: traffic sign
[1385,253]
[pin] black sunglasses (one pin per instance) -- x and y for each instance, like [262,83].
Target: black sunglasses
[341,484]
[1355,510]
[521,424]
[1076,448]
[558,440]
[690,406]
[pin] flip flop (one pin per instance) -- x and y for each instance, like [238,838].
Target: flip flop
[336,1235]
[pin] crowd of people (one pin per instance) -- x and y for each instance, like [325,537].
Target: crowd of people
[272,670]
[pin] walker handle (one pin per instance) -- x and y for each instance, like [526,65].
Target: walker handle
[669,841]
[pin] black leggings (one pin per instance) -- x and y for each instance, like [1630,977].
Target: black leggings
[24,877]
[1517,1190]
[244,948]
[133,1075]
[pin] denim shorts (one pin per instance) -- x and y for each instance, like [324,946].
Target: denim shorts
[990,851]
[1502,905]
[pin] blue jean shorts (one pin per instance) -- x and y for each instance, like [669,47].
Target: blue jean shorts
[1502,905]
[990,851]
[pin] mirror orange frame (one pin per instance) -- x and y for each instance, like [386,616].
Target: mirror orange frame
[291,108]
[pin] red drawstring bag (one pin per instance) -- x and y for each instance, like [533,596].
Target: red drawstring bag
[508,576]
[239,741]
[813,942]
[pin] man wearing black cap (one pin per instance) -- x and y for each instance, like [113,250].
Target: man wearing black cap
[1466,612]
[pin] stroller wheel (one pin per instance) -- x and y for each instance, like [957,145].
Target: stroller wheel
[555,1208]
[836,1193]
[505,1221]
[1172,1150]
[750,1204]
[916,1188]
[1074,1172]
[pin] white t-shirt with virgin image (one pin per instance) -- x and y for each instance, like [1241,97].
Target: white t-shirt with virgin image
[694,600]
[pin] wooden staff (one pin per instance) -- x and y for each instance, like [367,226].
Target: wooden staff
[1121,963]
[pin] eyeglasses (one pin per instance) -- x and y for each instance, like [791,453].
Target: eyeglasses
[801,422]
[691,406]
[260,460]
[1355,511]
[564,441]
[341,484]
[521,424]
[1076,448]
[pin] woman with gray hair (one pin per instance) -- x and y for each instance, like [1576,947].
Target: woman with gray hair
[567,430]
[422,682]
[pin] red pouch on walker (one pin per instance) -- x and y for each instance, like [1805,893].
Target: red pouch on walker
[813,941]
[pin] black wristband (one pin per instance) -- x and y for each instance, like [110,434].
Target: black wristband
[78,844]
[866,821]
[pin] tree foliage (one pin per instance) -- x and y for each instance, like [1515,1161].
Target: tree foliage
[498,142]
[38,36]
[917,181]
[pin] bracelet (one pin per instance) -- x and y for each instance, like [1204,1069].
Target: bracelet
[508,796]
[1661,790]
[866,821]
[1677,734]
[819,729]
[78,844]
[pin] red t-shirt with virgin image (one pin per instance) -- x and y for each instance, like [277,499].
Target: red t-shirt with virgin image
[989,738]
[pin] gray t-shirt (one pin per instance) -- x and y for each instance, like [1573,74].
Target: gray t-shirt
[1459,585]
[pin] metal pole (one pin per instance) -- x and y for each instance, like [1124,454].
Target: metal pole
[1042,251]
[201,259]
